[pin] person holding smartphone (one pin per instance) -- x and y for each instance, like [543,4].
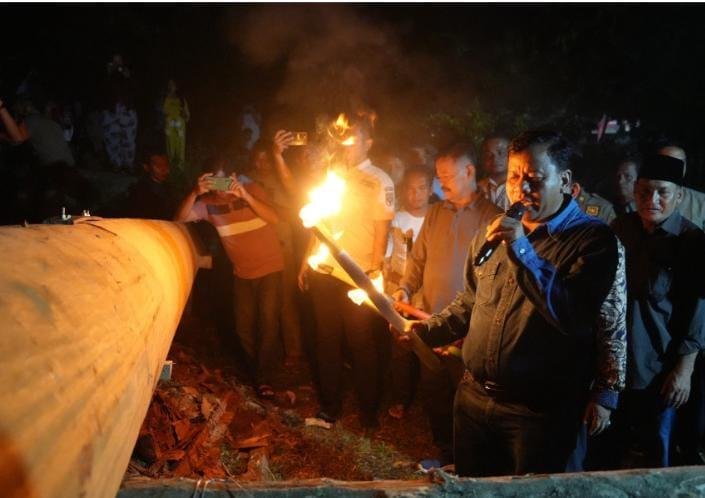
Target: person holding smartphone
[241,212]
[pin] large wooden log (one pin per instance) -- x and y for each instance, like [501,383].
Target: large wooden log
[87,314]
[644,483]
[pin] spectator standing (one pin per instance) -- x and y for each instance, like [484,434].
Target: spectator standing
[415,189]
[368,208]
[270,170]
[11,131]
[625,179]
[692,205]
[494,166]
[176,115]
[152,197]
[45,136]
[666,304]
[435,272]
[15,158]
[120,134]
[244,218]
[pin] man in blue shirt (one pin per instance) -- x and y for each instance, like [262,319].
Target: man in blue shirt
[529,314]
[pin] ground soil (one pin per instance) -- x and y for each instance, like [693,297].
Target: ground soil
[207,421]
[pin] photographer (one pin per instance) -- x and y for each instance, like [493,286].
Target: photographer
[241,212]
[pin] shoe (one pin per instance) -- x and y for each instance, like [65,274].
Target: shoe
[265,391]
[326,417]
[396,411]
[428,464]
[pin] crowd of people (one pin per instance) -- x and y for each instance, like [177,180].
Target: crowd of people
[576,344]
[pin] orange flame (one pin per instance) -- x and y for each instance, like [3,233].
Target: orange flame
[340,131]
[325,200]
[322,253]
[358,296]
[341,125]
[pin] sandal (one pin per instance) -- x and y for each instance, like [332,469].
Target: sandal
[265,391]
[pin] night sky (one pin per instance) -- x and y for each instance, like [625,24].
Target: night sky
[504,66]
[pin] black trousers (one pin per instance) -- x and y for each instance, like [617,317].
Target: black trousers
[339,323]
[497,436]
[437,393]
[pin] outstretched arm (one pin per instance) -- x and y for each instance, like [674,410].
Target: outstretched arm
[281,141]
[261,208]
[15,133]
[185,210]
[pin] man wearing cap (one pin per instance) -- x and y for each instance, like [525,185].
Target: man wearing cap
[692,206]
[666,306]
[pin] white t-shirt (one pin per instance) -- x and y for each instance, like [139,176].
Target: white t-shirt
[398,247]
[402,222]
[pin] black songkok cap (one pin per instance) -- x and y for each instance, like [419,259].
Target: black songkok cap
[666,168]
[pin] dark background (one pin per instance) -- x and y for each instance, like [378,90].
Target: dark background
[430,71]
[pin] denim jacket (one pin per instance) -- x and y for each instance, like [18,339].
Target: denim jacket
[532,312]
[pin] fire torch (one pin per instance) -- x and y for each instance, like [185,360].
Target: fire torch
[311,215]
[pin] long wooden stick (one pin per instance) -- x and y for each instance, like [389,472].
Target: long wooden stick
[382,303]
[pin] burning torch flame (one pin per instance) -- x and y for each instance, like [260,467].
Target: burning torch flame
[318,257]
[341,125]
[322,253]
[325,200]
[340,129]
[358,296]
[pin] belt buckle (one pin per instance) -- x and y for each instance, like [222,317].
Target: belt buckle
[491,388]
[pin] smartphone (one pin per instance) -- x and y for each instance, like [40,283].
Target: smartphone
[300,138]
[220,183]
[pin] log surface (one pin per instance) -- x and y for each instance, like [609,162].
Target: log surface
[87,315]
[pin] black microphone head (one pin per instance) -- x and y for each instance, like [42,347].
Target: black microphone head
[515,211]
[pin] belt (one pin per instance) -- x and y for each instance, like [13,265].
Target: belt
[492,389]
[526,396]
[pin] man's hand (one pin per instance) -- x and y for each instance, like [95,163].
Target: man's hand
[238,189]
[373,274]
[597,418]
[399,296]
[676,388]
[281,141]
[203,184]
[402,336]
[505,229]
[302,278]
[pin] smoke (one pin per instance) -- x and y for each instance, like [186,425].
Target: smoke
[336,60]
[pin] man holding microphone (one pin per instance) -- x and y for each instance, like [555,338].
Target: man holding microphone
[529,313]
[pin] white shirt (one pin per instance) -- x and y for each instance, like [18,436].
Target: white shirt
[403,221]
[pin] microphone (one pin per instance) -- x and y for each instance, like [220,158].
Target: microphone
[515,211]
